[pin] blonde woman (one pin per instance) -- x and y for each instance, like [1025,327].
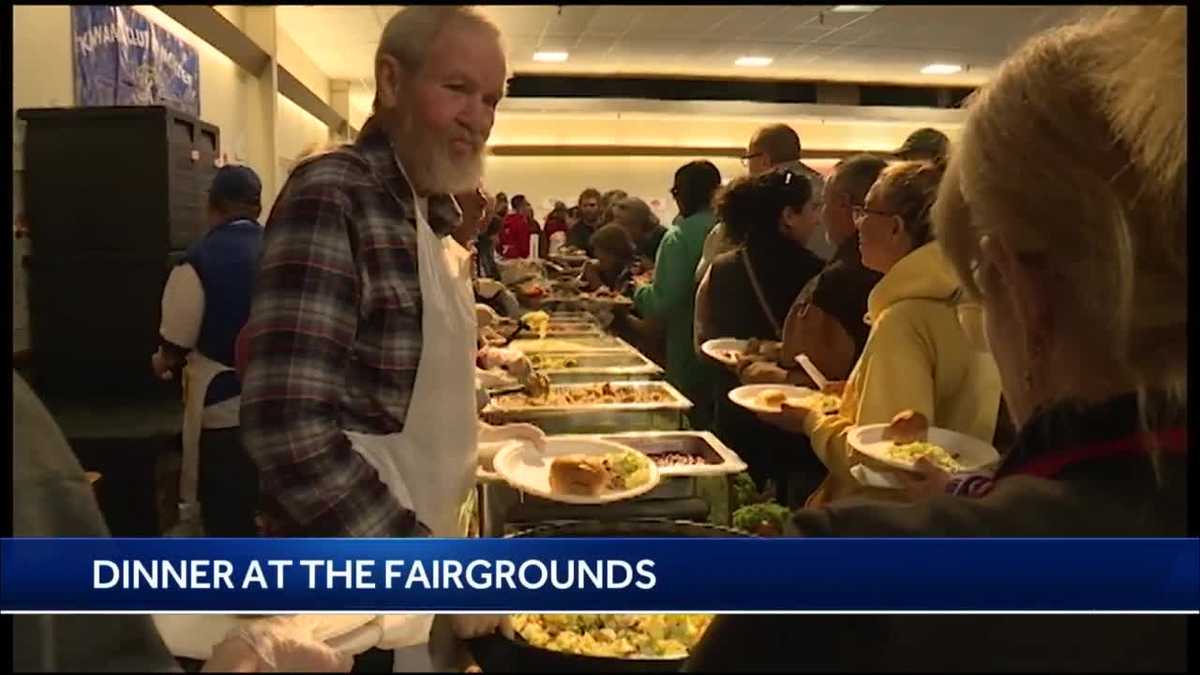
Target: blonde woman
[916,356]
[1064,210]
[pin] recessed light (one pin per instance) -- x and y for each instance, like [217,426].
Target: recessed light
[550,57]
[753,61]
[855,9]
[941,69]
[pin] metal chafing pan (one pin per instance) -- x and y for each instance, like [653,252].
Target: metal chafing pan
[568,330]
[601,417]
[596,367]
[572,316]
[557,345]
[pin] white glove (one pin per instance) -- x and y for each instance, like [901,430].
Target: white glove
[467,626]
[510,360]
[488,288]
[282,650]
[513,432]
[485,316]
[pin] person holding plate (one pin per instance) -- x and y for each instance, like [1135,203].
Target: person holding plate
[917,356]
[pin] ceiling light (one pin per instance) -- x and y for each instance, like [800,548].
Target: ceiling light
[550,57]
[753,61]
[855,9]
[941,69]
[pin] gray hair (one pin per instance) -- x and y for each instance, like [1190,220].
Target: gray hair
[411,31]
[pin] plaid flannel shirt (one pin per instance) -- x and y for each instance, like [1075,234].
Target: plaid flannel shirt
[334,340]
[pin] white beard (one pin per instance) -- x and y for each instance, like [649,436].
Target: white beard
[430,165]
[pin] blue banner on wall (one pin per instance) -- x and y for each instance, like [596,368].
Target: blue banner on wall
[121,58]
[599,575]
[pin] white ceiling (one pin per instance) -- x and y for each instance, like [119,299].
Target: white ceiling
[806,42]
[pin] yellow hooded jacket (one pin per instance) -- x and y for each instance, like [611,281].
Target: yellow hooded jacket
[916,357]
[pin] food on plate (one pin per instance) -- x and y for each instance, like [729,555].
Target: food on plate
[590,475]
[553,362]
[678,459]
[909,453]
[537,321]
[578,475]
[824,403]
[772,398]
[765,519]
[625,636]
[908,426]
[587,394]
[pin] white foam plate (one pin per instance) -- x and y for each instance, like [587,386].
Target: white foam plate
[528,470]
[973,454]
[747,396]
[720,348]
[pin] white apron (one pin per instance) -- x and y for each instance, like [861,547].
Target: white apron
[429,467]
[197,375]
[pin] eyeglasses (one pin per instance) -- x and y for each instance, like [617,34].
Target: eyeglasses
[746,158]
[861,212]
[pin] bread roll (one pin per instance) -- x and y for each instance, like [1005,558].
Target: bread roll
[907,426]
[578,475]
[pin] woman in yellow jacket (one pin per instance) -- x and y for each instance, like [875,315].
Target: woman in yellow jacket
[917,356]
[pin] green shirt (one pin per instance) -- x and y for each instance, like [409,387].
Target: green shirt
[671,297]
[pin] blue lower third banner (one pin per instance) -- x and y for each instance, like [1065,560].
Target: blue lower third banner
[598,575]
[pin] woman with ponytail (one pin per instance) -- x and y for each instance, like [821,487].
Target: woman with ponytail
[1064,213]
[917,356]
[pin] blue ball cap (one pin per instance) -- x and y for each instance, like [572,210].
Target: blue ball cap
[236,184]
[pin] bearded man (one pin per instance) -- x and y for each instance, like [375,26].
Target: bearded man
[358,404]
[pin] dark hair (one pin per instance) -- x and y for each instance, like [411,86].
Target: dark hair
[750,206]
[614,239]
[589,193]
[517,201]
[695,184]
[779,142]
[501,195]
[856,174]
[909,189]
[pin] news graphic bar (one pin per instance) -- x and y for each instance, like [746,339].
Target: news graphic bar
[599,575]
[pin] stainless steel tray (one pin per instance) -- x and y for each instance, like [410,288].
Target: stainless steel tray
[572,316]
[565,330]
[601,343]
[599,367]
[599,418]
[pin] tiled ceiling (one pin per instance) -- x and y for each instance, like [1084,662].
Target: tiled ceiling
[890,44]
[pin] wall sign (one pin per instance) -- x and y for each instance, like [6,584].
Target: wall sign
[122,58]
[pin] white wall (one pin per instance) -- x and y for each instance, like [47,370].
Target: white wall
[297,132]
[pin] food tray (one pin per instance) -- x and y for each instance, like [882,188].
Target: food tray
[599,418]
[565,330]
[572,316]
[602,343]
[600,367]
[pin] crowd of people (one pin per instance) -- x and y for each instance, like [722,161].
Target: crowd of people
[1034,273]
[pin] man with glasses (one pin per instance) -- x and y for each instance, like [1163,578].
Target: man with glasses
[775,146]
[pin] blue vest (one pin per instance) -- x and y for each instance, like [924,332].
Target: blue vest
[226,260]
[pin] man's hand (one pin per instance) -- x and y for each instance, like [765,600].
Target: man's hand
[790,418]
[762,372]
[273,646]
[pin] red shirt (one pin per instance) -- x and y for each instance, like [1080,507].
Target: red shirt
[514,236]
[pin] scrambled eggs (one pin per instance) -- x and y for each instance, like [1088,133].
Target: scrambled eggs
[629,636]
[538,321]
[910,452]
